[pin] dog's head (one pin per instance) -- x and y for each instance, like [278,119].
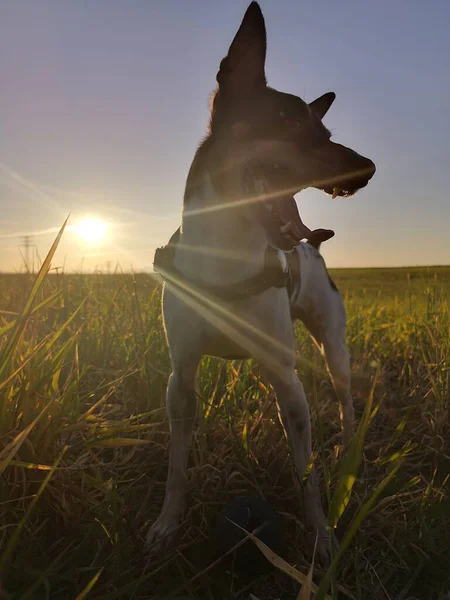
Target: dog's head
[275,141]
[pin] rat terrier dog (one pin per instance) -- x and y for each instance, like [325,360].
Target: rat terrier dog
[236,273]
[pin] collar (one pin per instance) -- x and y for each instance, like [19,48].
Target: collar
[272,275]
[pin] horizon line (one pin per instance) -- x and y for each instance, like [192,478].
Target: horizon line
[150,272]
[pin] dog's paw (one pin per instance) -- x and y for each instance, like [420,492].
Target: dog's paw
[327,545]
[161,535]
[323,552]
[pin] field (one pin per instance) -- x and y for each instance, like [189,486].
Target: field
[83,444]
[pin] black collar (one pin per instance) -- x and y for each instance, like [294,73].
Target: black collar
[272,275]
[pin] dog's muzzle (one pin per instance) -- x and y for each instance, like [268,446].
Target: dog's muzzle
[353,172]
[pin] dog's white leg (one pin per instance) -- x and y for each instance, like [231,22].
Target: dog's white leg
[181,410]
[294,415]
[327,326]
[329,335]
[335,351]
[321,308]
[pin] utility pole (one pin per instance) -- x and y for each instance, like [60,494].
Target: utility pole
[27,244]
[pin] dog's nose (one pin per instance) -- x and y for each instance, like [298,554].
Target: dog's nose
[371,168]
[367,171]
[364,174]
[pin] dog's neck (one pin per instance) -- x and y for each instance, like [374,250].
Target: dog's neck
[219,243]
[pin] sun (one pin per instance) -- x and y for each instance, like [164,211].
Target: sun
[91,229]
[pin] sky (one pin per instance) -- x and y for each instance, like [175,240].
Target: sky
[104,103]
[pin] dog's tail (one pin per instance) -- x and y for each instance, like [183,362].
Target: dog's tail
[318,236]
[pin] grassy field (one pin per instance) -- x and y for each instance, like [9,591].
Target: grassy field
[83,443]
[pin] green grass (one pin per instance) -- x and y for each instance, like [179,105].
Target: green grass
[83,443]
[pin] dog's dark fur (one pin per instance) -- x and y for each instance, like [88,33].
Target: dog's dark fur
[244,110]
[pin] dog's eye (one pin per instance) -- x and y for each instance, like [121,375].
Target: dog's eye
[290,120]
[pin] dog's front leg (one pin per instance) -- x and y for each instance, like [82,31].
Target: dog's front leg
[325,317]
[294,415]
[337,359]
[181,410]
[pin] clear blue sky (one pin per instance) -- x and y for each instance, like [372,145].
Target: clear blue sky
[103,104]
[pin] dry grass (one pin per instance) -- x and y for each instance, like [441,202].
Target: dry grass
[83,444]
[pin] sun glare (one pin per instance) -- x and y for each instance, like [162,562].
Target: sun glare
[91,229]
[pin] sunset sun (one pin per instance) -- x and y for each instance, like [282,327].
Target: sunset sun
[91,229]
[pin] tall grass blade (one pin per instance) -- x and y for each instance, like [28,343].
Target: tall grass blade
[47,303]
[306,589]
[6,556]
[363,512]
[83,594]
[349,466]
[277,561]
[31,355]
[21,322]
[64,326]
[118,443]
[8,453]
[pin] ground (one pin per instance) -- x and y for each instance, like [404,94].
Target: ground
[83,444]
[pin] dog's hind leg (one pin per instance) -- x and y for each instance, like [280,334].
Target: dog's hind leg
[294,415]
[181,410]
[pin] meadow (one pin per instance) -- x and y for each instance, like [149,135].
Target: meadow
[84,438]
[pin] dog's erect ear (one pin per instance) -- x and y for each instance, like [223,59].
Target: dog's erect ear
[243,67]
[321,105]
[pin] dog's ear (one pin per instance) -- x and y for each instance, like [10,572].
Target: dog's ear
[243,68]
[320,106]
[318,236]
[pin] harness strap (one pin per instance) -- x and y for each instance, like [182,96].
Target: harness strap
[273,275]
[293,262]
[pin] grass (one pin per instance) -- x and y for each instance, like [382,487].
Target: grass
[83,444]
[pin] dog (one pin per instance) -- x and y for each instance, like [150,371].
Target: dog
[237,273]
